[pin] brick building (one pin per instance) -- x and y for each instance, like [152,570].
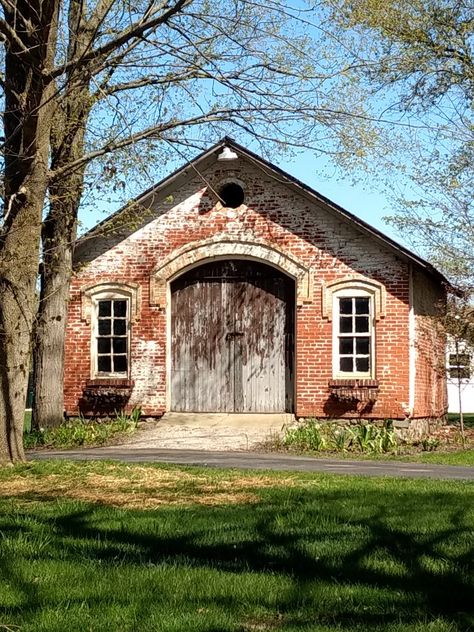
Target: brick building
[232,287]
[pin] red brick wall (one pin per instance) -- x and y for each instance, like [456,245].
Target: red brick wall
[330,246]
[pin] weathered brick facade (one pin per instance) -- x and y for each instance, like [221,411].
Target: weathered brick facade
[287,225]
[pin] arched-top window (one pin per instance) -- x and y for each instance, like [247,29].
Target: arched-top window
[110,341]
[354,304]
[110,308]
[353,334]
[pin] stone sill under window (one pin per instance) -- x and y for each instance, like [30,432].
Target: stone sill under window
[354,389]
[110,381]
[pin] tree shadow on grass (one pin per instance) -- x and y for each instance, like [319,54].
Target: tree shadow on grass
[358,562]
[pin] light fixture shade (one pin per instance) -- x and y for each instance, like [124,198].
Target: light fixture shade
[227,154]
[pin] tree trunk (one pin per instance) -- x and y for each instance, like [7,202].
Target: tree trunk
[19,251]
[59,229]
[59,234]
[29,104]
[58,237]
[18,268]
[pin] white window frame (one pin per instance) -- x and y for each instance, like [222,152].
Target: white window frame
[349,292]
[107,295]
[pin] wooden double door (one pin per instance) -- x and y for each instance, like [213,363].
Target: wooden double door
[232,339]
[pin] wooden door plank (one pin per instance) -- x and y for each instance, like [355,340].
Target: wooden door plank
[232,339]
[261,314]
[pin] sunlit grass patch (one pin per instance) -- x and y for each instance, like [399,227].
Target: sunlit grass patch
[142,487]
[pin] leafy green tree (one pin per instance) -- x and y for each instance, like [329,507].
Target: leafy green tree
[418,58]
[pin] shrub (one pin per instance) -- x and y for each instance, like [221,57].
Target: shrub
[341,437]
[430,444]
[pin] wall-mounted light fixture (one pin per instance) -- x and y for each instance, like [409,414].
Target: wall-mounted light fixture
[227,154]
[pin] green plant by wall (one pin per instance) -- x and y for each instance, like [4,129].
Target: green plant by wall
[311,436]
[306,436]
[79,431]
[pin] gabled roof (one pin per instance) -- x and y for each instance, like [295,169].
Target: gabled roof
[104,236]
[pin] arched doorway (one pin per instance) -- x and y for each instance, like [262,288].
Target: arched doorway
[232,338]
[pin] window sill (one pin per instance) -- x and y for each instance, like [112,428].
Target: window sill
[354,382]
[107,382]
[354,389]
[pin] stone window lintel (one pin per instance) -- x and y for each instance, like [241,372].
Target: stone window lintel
[110,289]
[354,282]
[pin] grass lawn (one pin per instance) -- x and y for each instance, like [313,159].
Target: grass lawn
[111,547]
[468,419]
[459,457]
[455,457]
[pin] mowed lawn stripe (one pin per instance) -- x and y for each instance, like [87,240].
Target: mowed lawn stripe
[101,546]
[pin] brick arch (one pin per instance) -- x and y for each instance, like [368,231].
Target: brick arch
[110,288]
[356,282]
[195,253]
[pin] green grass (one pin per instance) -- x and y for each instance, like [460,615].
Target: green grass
[102,547]
[468,419]
[459,457]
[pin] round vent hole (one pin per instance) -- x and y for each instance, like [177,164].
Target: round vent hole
[232,195]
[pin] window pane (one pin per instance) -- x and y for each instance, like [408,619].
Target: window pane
[362,324]
[362,346]
[362,305]
[120,308]
[346,346]
[120,327]
[104,308]
[103,364]
[103,345]
[120,363]
[345,324]
[362,365]
[345,364]
[104,327]
[120,345]
[345,306]
[460,373]
[461,359]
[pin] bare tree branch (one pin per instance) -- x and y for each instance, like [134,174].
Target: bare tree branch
[8,34]
[136,30]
